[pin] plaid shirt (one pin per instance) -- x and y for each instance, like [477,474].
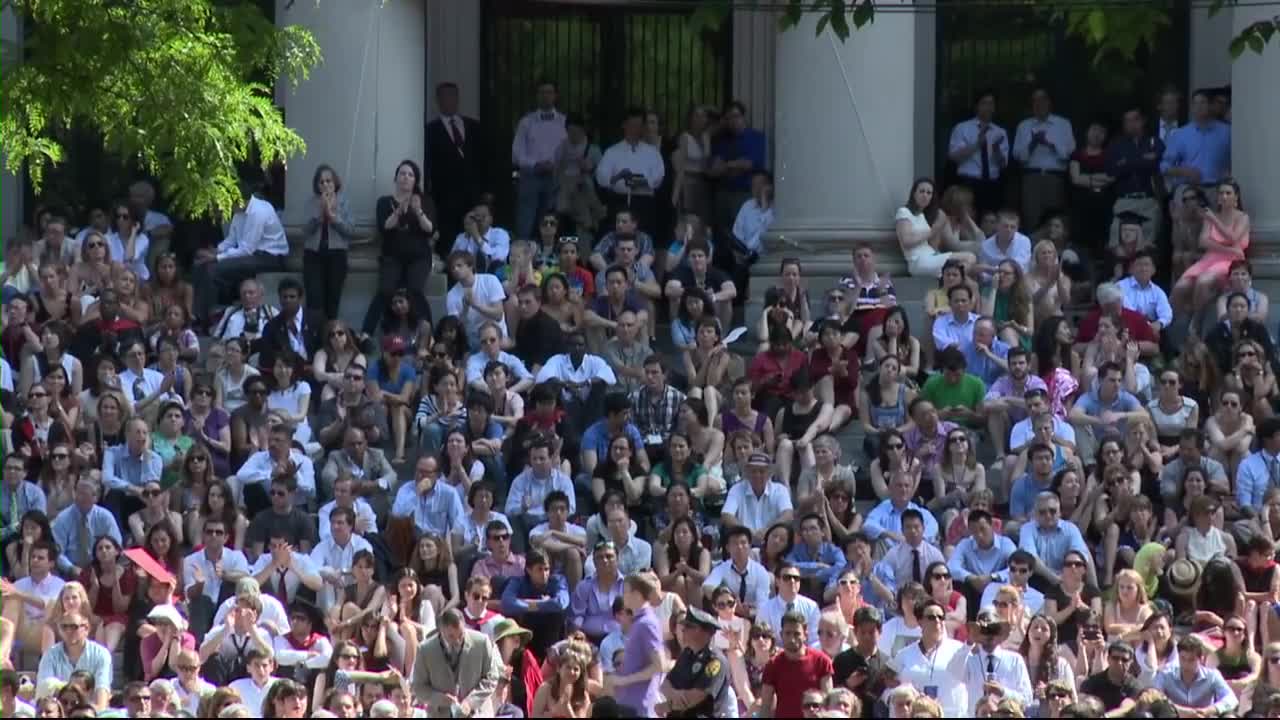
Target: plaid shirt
[656,415]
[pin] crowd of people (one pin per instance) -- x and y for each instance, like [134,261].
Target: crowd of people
[575,494]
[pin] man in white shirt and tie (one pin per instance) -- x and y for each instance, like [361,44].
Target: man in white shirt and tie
[739,572]
[255,244]
[788,599]
[1168,111]
[980,150]
[630,172]
[538,137]
[1043,145]
[991,672]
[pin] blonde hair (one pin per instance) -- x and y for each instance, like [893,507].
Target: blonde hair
[74,587]
[925,707]
[1136,579]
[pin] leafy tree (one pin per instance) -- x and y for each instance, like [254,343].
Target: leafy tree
[182,87]
[1109,28]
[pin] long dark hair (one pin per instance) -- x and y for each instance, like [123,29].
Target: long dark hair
[391,323]
[708,308]
[770,564]
[417,174]
[173,559]
[229,511]
[1048,351]
[885,436]
[930,212]
[407,572]
[1047,669]
[695,548]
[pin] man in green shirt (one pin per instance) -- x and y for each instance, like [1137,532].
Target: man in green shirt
[957,394]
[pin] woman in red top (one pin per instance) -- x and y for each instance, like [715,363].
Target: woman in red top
[161,544]
[1091,195]
[834,370]
[111,586]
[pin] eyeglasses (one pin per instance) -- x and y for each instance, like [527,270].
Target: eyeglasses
[941,576]
[40,394]
[895,446]
[933,617]
[726,604]
[95,244]
[479,597]
[812,705]
[202,391]
[550,222]
[150,493]
[1057,695]
[61,456]
[1073,564]
[197,458]
[850,582]
[789,577]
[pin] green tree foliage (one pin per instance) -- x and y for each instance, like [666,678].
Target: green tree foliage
[1112,30]
[184,88]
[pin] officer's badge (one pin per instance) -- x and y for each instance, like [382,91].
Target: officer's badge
[713,667]
[697,668]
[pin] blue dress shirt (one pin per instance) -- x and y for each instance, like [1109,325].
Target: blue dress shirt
[1151,300]
[440,512]
[122,469]
[1256,474]
[66,532]
[970,559]
[809,562]
[1051,546]
[1207,149]
[1207,690]
[518,590]
[885,517]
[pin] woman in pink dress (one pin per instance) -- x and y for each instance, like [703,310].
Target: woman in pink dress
[1224,239]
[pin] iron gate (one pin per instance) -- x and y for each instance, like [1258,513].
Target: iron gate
[604,57]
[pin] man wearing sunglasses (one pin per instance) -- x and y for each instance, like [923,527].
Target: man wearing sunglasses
[211,575]
[77,652]
[189,688]
[1114,686]
[1018,574]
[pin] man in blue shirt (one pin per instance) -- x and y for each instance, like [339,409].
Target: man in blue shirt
[1141,295]
[616,421]
[1107,406]
[978,558]
[539,601]
[1199,153]
[738,153]
[814,557]
[1260,471]
[1195,690]
[987,356]
[1039,477]
[127,468]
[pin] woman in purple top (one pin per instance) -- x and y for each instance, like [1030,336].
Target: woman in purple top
[640,675]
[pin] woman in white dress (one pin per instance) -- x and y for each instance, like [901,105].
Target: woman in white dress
[920,227]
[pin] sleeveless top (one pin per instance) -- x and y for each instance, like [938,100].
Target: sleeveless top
[730,423]
[890,416]
[1233,668]
[43,316]
[1168,425]
[1204,547]
[797,424]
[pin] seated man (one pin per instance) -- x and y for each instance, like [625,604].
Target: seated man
[593,599]
[335,557]
[788,600]
[344,495]
[539,601]
[248,318]
[1194,688]
[1006,399]
[273,617]
[978,558]
[476,611]
[624,226]
[1107,407]
[531,490]
[1018,574]
[77,653]
[758,503]
[128,468]
[283,572]
[255,244]
[927,439]
[491,351]
[564,542]
[655,407]
[601,319]
[231,640]
[885,520]
[538,335]
[367,466]
[476,298]
[78,526]
[1143,296]
[740,572]
[297,329]
[211,574]
[1026,489]
[501,564]
[280,459]
[815,557]
[489,245]
[1050,538]
[616,421]
[350,409]
[956,327]
[987,356]
[433,506]
[626,353]
[583,378]
[29,600]
[907,561]
[1111,303]
[954,392]
[634,554]
[699,274]
[298,526]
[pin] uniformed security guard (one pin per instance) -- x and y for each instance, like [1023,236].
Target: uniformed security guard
[698,686]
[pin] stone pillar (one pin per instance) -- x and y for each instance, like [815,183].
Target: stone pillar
[363,108]
[845,134]
[11,184]
[1255,146]
[1210,61]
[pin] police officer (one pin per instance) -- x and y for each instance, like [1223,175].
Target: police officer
[698,686]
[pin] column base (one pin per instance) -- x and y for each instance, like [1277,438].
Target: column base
[1264,252]
[827,251]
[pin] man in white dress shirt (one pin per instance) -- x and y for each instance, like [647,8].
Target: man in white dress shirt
[758,503]
[533,150]
[255,244]
[1006,244]
[631,171]
[739,572]
[980,150]
[283,573]
[247,318]
[211,574]
[908,560]
[253,689]
[935,664]
[788,599]
[583,377]
[27,600]
[253,480]
[490,245]
[991,672]
[1043,145]
[334,557]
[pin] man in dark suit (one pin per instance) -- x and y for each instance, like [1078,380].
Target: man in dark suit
[455,163]
[296,328]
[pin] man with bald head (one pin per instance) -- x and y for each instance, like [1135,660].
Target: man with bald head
[368,466]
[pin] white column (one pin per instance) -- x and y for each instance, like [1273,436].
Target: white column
[1210,61]
[363,108]
[845,132]
[11,185]
[1255,146]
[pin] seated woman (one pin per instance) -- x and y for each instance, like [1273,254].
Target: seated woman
[1171,411]
[1009,304]
[695,305]
[1254,379]
[798,423]
[53,300]
[1202,540]
[1050,286]
[175,327]
[93,273]
[893,337]
[893,459]
[1240,280]
[959,473]
[1224,237]
[1234,328]
[682,563]
[959,230]
[681,467]
[1198,371]
[883,402]
[1076,264]
[710,368]
[52,351]
[1127,612]
[920,230]
[167,288]
[1230,431]
[332,359]
[786,303]
[742,416]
